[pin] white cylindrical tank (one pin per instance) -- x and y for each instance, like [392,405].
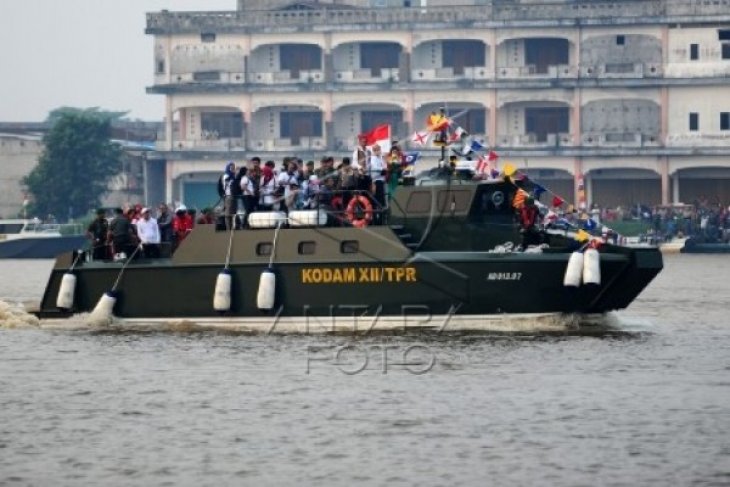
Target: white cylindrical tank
[267,291]
[574,271]
[222,296]
[65,298]
[592,267]
[102,314]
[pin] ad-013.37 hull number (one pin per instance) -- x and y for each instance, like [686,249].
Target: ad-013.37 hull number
[504,276]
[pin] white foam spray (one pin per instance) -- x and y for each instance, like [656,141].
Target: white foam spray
[15,316]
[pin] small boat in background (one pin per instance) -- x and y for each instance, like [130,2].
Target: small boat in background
[32,239]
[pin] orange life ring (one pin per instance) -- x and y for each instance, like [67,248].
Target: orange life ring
[367,211]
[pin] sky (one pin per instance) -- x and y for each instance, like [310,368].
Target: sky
[81,53]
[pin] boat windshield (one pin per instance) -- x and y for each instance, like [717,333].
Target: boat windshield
[11,228]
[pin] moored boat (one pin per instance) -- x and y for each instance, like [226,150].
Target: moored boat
[31,239]
[445,249]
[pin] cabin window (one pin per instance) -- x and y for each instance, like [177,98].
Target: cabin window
[454,200]
[307,248]
[160,67]
[723,35]
[264,248]
[350,247]
[726,50]
[620,40]
[725,121]
[419,202]
[207,37]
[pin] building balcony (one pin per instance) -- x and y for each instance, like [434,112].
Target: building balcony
[286,77]
[535,141]
[285,144]
[447,74]
[212,144]
[620,139]
[220,77]
[493,12]
[387,75]
[717,139]
[622,70]
[564,71]
[697,69]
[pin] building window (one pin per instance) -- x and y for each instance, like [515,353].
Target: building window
[295,125]
[726,50]
[307,248]
[725,121]
[694,52]
[207,37]
[620,40]
[350,247]
[264,248]
[222,124]
[723,34]
[694,122]
[160,67]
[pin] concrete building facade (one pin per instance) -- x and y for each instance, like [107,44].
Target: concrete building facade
[629,98]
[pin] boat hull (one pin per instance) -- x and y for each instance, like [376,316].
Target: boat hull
[40,247]
[428,283]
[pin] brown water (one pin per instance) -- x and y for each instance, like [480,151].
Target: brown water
[648,404]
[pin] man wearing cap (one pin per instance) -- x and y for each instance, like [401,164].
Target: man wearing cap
[97,233]
[149,234]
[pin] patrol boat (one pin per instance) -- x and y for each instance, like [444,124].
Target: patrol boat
[445,256]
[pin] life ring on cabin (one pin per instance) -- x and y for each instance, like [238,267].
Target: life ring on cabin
[359,211]
[497,198]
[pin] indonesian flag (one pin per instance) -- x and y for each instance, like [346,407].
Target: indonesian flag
[492,156]
[420,138]
[379,135]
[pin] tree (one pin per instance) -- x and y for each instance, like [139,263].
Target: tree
[75,166]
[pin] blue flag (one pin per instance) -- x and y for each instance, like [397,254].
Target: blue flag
[538,191]
[410,158]
[590,224]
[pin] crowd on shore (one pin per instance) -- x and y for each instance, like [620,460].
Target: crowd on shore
[704,219]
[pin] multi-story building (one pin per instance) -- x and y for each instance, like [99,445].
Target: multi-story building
[631,98]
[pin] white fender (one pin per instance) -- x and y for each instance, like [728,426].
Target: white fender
[266,219]
[102,314]
[65,298]
[267,291]
[307,218]
[592,267]
[574,270]
[222,296]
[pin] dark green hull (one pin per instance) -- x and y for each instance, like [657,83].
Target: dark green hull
[382,279]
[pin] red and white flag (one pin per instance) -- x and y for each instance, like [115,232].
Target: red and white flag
[457,134]
[420,138]
[379,135]
[482,165]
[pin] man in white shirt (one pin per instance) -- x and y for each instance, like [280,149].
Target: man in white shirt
[376,170]
[149,234]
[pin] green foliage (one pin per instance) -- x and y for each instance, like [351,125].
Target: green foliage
[75,166]
[57,114]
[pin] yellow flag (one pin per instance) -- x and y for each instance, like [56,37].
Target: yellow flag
[509,169]
[582,236]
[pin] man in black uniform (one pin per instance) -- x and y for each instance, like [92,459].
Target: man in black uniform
[121,233]
[97,233]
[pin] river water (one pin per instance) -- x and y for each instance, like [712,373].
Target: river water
[646,404]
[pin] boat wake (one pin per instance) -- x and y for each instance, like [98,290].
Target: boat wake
[527,324]
[13,316]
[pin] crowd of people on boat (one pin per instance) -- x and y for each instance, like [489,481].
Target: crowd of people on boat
[359,182]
